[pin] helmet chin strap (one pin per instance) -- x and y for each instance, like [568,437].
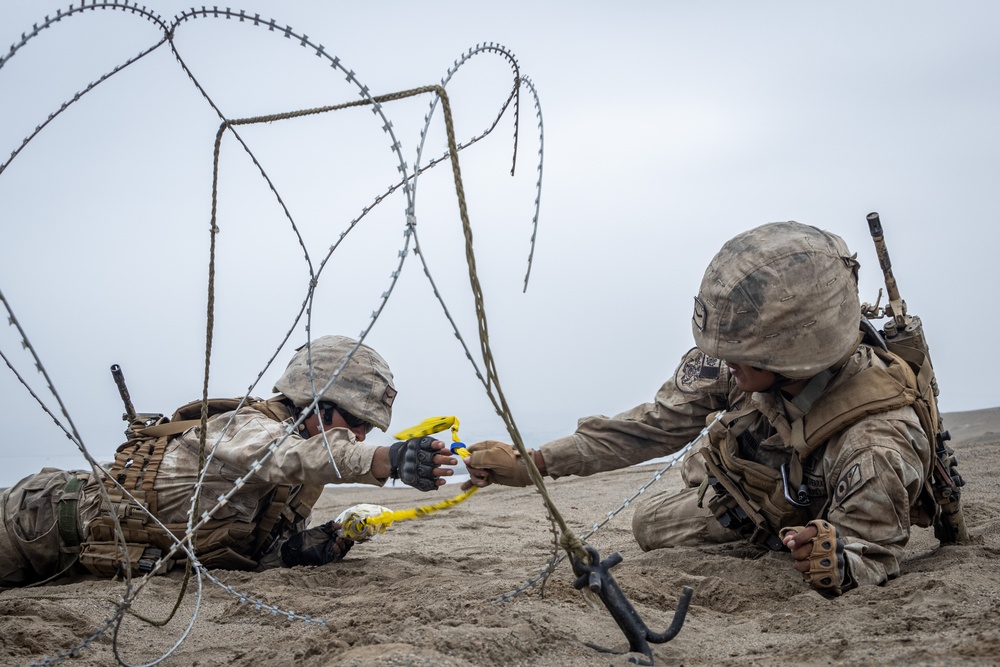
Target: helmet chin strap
[813,390]
[325,412]
[780,382]
[303,427]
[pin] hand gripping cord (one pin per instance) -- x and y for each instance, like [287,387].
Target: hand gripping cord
[363,522]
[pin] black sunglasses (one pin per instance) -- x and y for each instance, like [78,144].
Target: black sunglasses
[351,420]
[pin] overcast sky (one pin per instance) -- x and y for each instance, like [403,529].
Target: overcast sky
[668,128]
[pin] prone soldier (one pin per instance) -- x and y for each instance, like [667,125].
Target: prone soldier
[56,522]
[822,450]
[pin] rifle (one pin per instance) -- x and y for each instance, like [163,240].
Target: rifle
[904,336]
[134,420]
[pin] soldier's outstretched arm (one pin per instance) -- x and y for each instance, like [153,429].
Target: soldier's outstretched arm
[493,461]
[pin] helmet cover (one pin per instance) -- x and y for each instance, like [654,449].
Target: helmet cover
[781,297]
[363,388]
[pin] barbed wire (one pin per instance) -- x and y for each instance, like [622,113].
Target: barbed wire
[407,183]
[554,562]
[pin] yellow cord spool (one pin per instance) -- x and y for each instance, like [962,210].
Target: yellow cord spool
[363,522]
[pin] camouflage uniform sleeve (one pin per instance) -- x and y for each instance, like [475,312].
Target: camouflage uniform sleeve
[295,460]
[876,473]
[677,414]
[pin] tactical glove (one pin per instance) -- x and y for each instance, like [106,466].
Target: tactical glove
[412,462]
[502,460]
[827,566]
[315,546]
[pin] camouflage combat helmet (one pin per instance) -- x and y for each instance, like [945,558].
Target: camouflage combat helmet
[781,297]
[363,388]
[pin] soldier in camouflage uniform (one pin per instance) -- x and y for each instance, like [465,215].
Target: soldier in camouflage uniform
[819,452]
[56,521]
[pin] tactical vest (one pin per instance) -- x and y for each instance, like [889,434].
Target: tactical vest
[226,544]
[756,500]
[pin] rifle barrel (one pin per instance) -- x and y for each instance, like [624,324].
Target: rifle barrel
[116,373]
[875,227]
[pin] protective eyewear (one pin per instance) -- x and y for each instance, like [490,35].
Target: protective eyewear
[352,421]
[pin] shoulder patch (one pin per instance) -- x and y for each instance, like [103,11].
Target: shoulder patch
[695,369]
[848,482]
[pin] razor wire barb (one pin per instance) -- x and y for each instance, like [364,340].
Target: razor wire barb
[407,183]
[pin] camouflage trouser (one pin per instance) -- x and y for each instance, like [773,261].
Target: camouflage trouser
[673,519]
[32,546]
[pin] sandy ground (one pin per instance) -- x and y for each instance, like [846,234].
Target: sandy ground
[425,593]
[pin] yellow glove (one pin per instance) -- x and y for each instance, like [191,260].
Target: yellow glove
[502,461]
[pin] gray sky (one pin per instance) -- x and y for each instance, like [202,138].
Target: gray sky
[669,128]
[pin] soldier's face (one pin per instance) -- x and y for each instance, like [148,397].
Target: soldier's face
[338,421]
[314,426]
[751,379]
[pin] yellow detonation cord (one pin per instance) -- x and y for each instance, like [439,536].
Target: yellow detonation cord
[362,522]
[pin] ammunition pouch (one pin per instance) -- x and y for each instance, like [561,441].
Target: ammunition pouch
[739,507]
[105,559]
[221,544]
[750,499]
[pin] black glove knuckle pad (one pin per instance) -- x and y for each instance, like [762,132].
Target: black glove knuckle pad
[413,462]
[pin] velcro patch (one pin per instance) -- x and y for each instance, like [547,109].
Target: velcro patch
[389,395]
[700,314]
[697,367]
[849,481]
